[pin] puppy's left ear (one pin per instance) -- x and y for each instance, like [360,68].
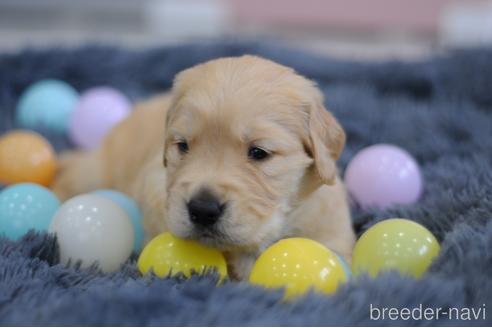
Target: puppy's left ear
[326,140]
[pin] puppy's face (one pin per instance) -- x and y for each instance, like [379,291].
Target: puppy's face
[245,140]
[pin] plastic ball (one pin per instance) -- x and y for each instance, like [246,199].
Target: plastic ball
[98,110]
[92,228]
[167,255]
[26,157]
[395,244]
[383,175]
[26,206]
[46,104]
[298,264]
[345,266]
[131,209]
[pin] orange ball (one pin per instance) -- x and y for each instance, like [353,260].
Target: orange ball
[26,157]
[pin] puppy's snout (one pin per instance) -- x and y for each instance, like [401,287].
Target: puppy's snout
[205,209]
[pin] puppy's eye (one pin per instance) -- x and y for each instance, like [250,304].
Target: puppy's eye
[182,147]
[257,154]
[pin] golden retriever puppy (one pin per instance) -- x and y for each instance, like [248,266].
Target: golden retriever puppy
[241,154]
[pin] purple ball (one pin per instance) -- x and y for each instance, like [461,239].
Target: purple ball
[383,175]
[98,110]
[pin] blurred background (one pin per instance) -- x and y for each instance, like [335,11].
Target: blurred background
[347,28]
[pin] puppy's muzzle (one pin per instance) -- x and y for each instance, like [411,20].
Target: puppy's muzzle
[205,209]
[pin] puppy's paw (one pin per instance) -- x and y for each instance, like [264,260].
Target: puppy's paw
[342,247]
[239,265]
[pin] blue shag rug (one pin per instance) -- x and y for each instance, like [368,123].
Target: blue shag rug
[439,109]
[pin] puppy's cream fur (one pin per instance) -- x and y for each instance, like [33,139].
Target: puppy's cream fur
[221,109]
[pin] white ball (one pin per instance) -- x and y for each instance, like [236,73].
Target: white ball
[92,228]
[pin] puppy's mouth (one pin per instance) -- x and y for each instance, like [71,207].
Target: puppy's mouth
[212,237]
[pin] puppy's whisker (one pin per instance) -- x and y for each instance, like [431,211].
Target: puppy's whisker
[254,179]
[258,211]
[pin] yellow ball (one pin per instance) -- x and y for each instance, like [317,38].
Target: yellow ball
[166,254]
[298,264]
[392,244]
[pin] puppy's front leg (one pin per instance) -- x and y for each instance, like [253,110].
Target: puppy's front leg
[239,264]
[149,190]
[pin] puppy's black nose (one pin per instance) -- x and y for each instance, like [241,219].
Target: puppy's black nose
[205,209]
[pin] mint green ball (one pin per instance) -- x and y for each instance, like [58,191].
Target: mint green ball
[46,104]
[345,267]
[26,206]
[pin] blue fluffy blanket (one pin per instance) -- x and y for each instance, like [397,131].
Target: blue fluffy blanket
[439,109]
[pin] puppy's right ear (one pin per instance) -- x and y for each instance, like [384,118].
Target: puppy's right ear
[180,84]
[164,160]
[326,140]
[169,117]
[166,138]
[183,82]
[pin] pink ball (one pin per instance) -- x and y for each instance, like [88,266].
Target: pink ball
[383,175]
[98,110]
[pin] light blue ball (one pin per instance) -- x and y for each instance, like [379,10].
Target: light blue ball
[346,268]
[131,209]
[26,206]
[47,104]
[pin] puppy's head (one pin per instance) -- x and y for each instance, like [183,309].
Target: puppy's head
[245,140]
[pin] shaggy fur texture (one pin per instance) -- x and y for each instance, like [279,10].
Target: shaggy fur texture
[439,109]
